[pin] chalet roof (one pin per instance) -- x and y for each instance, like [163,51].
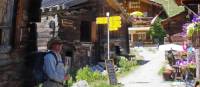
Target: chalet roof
[163,11]
[67,3]
[173,25]
[49,3]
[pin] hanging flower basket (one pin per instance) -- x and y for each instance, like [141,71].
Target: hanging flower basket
[190,29]
[137,14]
[196,39]
[193,33]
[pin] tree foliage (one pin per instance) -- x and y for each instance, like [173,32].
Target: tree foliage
[157,32]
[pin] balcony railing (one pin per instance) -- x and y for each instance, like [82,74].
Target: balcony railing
[141,21]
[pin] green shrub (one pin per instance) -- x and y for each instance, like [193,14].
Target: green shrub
[87,74]
[84,74]
[98,76]
[125,64]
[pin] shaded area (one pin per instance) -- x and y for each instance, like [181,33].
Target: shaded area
[142,62]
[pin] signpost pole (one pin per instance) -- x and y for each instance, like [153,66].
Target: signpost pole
[113,23]
[108,17]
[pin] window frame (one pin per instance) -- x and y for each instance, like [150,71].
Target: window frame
[6,25]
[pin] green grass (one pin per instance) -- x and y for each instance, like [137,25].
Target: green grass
[173,7]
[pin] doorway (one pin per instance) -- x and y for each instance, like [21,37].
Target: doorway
[85,31]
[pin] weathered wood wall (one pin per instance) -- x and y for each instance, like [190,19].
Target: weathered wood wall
[10,68]
[15,40]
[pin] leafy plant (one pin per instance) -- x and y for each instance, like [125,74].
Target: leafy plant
[87,74]
[126,65]
[98,76]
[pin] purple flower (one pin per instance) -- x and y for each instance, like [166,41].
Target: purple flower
[184,29]
[196,18]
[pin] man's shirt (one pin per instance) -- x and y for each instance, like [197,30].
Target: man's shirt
[55,70]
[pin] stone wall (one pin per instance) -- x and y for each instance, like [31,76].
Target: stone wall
[45,31]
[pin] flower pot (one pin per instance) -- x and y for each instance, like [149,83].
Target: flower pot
[167,74]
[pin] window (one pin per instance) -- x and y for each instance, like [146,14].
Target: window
[135,4]
[129,37]
[145,14]
[4,39]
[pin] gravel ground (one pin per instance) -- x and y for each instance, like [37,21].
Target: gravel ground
[147,75]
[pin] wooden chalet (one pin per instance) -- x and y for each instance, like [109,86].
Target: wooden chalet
[142,5]
[17,39]
[193,8]
[174,25]
[140,26]
[75,22]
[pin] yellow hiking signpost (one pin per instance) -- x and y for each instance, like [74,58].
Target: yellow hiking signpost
[113,24]
[101,20]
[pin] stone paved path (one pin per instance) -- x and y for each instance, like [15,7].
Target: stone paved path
[147,74]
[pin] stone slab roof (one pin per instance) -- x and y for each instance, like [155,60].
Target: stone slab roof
[67,3]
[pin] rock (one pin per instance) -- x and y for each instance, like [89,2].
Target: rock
[81,83]
[105,73]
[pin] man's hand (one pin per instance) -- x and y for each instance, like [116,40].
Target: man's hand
[67,77]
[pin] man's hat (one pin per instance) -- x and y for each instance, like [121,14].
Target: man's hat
[54,41]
